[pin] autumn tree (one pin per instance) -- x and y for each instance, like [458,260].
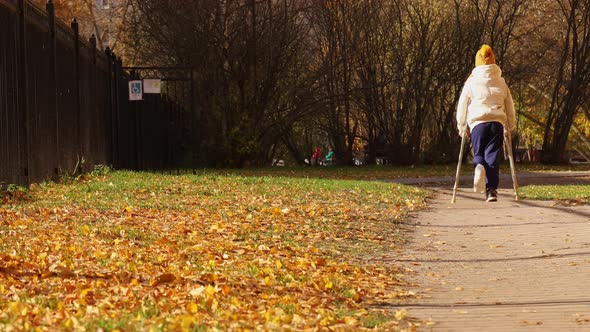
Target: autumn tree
[107,24]
[249,65]
[275,75]
[395,69]
[569,75]
[334,35]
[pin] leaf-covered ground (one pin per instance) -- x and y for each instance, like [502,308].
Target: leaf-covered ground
[142,251]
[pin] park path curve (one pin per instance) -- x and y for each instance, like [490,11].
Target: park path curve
[503,266]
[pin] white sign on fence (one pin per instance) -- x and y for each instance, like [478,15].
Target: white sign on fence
[152,86]
[136,90]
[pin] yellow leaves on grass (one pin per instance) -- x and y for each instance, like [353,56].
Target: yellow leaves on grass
[320,262]
[192,307]
[278,316]
[185,252]
[41,257]
[277,212]
[86,230]
[218,228]
[210,291]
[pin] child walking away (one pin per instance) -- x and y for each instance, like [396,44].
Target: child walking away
[487,109]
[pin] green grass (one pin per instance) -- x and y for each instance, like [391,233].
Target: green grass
[374,320]
[126,321]
[377,172]
[162,191]
[572,193]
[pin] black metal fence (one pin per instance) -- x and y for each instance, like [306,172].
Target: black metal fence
[165,123]
[64,105]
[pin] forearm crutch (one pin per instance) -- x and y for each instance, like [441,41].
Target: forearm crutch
[458,174]
[508,148]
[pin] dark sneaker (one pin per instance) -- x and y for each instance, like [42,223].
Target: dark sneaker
[491,195]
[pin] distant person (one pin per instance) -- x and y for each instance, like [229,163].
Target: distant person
[315,157]
[486,109]
[328,159]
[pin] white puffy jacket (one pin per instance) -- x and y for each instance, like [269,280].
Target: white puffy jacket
[485,98]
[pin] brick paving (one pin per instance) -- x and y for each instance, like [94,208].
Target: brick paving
[504,266]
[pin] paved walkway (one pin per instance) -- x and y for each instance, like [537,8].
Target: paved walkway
[504,266]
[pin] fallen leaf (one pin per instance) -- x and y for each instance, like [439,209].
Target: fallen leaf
[526,322]
[401,314]
[162,279]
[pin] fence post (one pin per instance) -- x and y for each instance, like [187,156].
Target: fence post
[76,30]
[50,8]
[92,42]
[195,136]
[115,108]
[138,128]
[24,146]
[120,85]
[97,125]
[52,83]
[110,104]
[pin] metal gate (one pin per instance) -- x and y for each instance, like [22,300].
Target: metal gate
[159,132]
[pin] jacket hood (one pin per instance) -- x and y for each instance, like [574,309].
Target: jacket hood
[487,71]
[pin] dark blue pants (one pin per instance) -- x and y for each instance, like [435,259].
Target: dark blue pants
[487,140]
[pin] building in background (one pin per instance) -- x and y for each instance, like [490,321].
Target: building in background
[103,4]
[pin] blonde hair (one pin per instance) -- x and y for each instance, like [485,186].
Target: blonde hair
[485,56]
